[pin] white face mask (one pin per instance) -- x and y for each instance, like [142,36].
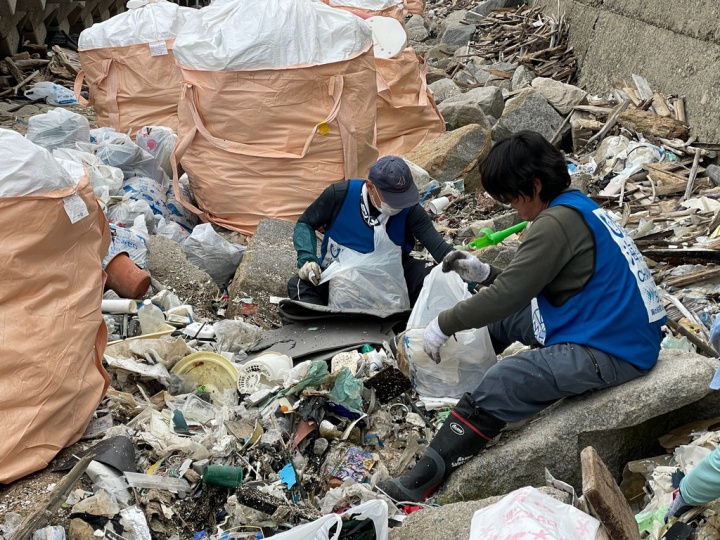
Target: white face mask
[388,210]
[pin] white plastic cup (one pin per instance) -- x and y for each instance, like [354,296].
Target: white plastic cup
[439,204]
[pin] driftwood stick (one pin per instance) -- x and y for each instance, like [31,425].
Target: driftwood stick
[693,174]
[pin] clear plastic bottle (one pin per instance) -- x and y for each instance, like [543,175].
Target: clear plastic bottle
[151,318]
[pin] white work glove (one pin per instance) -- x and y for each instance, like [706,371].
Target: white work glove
[467,266]
[310,271]
[433,339]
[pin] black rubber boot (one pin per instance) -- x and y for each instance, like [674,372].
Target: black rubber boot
[462,436]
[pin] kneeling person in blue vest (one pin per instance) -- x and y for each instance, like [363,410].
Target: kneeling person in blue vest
[578,292]
[348,212]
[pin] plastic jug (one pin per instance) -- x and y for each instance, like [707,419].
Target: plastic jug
[151,318]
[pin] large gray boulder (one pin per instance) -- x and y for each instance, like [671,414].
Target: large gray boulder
[522,78]
[560,95]
[417,29]
[452,521]
[528,111]
[621,423]
[472,107]
[455,154]
[488,101]
[268,264]
[458,34]
[444,89]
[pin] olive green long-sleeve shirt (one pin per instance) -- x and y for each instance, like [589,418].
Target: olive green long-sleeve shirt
[557,256]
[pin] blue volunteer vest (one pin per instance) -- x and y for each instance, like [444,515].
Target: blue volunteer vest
[619,310]
[349,229]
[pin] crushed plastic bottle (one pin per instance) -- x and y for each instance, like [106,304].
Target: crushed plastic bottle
[151,318]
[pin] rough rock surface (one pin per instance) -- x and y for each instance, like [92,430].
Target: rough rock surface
[268,264]
[621,423]
[453,520]
[528,110]
[463,112]
[454,154]
[560,95]
[444,89]
[416,29]
[458,34]
[168,264]
[522,78]
[488,100]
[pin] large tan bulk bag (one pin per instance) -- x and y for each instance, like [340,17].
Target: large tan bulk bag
[415,7]
[52,334]
[406,112]
[129,66]
[278,102]
[371,8]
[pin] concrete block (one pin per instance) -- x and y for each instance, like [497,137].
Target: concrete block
[268,264]
[621,423]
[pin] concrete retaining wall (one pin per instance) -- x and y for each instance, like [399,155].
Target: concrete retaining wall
[674,45]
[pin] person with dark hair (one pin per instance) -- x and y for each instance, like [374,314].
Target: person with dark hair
[577,291]
[347,213]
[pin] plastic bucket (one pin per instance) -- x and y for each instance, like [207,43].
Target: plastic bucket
[209,370]
[125,277]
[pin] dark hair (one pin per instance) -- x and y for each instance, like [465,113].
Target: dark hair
[513,164]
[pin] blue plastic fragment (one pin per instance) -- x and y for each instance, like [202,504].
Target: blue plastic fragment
[200,535]
[715,383]
[287,476]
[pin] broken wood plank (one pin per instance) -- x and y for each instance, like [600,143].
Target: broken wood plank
[682,256]
[610,122]
[605,499]
[14,70]
[695,277]
[693,174]
[660,105]
[14,90]
[46,510]
[692,337]
[679,106]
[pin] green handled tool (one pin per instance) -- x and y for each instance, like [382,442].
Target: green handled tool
[492,238]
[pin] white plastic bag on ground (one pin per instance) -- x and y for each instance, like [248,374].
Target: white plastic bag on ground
[316,530]
[170,229]
[106,180]
[52,93]
[141,188]
[145,21]
[247,35]
[125,212]
[528,513]
[372,280]
[58,128]
[159,142]
[209,251]
[132,240]
[28,169]
[176,211]
[465,357]
[119,150]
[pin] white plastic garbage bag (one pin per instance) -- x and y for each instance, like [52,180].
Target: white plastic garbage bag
[465,357]
[141,188]
[52,93]
[159,142]
[119,150]
[106,181]
[132,240]
[528,513]
[316,530]
[247,35]
[171,230]
[58,128]
[176,211]
[124,213]
[29,169]
[144,22]
[372,280]
[210,252]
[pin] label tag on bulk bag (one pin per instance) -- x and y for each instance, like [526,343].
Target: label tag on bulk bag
[75,207]
[158,48]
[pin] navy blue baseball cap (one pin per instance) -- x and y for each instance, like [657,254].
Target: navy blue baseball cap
[392,176]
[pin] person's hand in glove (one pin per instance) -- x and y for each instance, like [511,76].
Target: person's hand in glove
[467,266]
[678,506]
[433,339]
[310,271]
